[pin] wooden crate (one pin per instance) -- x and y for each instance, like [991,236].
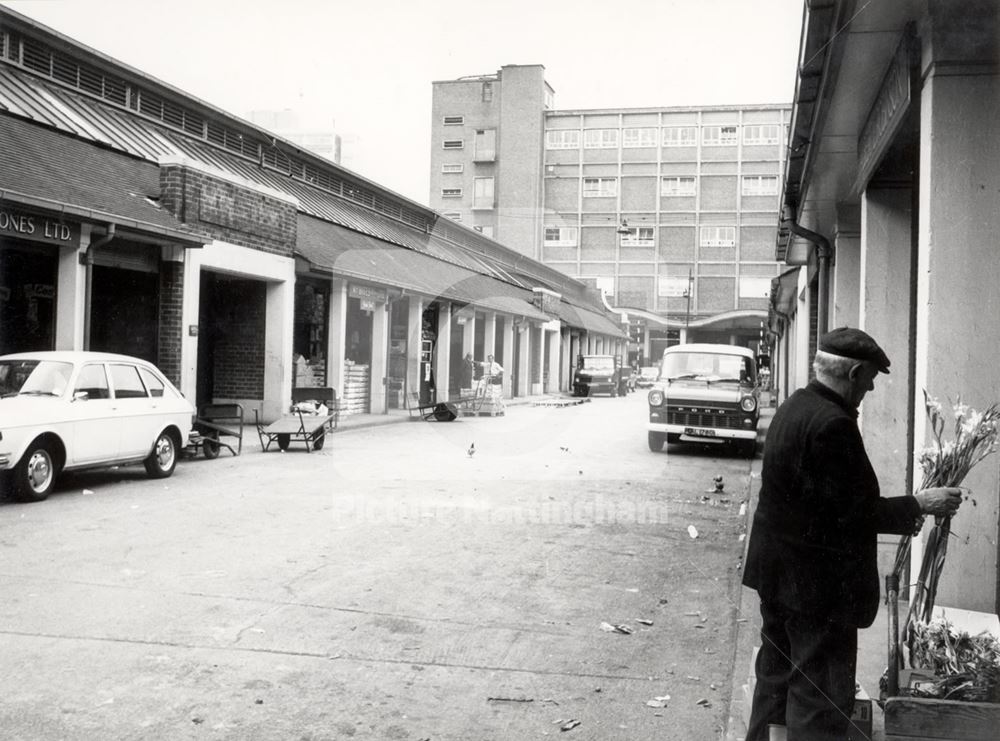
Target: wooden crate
[919,719]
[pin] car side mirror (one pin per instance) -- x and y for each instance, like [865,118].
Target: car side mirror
[80,396]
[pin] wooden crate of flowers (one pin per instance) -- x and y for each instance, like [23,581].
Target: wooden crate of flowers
[951,689]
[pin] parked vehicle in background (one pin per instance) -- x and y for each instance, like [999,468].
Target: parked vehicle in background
[598,374]
[705,394]
[647,376]
[61,411]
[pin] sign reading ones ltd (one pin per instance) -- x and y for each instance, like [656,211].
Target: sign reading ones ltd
[37,228]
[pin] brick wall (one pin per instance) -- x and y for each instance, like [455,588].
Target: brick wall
[228,211]
[239,321]
[171,329]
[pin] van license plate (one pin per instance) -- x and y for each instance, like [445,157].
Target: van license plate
[698,433]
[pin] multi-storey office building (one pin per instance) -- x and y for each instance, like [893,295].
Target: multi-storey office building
[671,211]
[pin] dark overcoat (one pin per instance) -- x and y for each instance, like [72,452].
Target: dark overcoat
[814,539]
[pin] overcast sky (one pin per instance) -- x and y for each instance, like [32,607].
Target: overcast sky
[365,67]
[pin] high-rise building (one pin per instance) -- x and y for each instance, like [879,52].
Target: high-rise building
[671,211]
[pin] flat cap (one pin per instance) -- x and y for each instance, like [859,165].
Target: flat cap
[848,342]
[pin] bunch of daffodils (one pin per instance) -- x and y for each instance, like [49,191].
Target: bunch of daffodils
[944,463]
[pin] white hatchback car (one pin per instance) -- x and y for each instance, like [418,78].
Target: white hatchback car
[61,411]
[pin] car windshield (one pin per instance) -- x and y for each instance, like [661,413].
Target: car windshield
[34,377]
[592,365]
[708,366]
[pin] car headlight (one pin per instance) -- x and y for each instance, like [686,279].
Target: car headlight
[748,404]
[655,398]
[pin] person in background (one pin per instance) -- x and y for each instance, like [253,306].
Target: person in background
[813,544]
[494,377]
[468,372]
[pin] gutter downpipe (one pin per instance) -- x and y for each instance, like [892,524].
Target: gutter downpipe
[88,261]
[823,254]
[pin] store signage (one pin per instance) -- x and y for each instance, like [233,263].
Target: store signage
[887,113]
[367,293]
[37,228]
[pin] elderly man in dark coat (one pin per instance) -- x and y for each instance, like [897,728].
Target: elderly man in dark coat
[812,550]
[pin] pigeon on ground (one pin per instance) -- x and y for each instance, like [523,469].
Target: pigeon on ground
[472,449]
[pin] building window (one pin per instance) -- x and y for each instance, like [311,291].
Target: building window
[453,215]
[482,193]
[755,287]
[673,286]
[638,138]
[486,145]
[680,136]
[560,236]
[718,236]
[451,192]
[641,236]
[761,134]
[454,120]
[454,144]
[760,185]
[453,167]
[677,186]
[600,187]
[558,139]
[600,138]
[719,136]
[487,92]
[485,230]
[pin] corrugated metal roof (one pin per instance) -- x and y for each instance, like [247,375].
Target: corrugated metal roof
[46,165]
[25,95]
[354,254]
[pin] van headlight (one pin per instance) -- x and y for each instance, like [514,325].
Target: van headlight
[748,404]
[655,398]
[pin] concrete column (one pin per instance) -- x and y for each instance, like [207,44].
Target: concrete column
[380,358]
[885,260]
[278,334]
[189,318]
[490,334]
[845,271]
[71,289]
[337,335]
[958,271]
[566,359]
[414,334]
[554,364]
[509,338]
[442,352]
[802,359]
[524,359]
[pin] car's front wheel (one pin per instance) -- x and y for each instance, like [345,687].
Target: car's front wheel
[161,461]
[655,441]
[35,475]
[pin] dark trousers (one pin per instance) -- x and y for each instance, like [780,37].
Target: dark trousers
[805,676]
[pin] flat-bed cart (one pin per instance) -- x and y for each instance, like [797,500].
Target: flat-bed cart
[214,423]
[308,429]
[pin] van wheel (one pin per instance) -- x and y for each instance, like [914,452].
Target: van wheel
[655,441]
[161,461]
[35,475]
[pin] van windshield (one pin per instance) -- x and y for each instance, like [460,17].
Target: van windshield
[592,364]
[707,366]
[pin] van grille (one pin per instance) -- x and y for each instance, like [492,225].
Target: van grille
[717,418]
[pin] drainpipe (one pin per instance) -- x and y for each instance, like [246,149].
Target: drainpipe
[87,258]
[823,254]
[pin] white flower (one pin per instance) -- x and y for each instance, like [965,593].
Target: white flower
[971,423]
